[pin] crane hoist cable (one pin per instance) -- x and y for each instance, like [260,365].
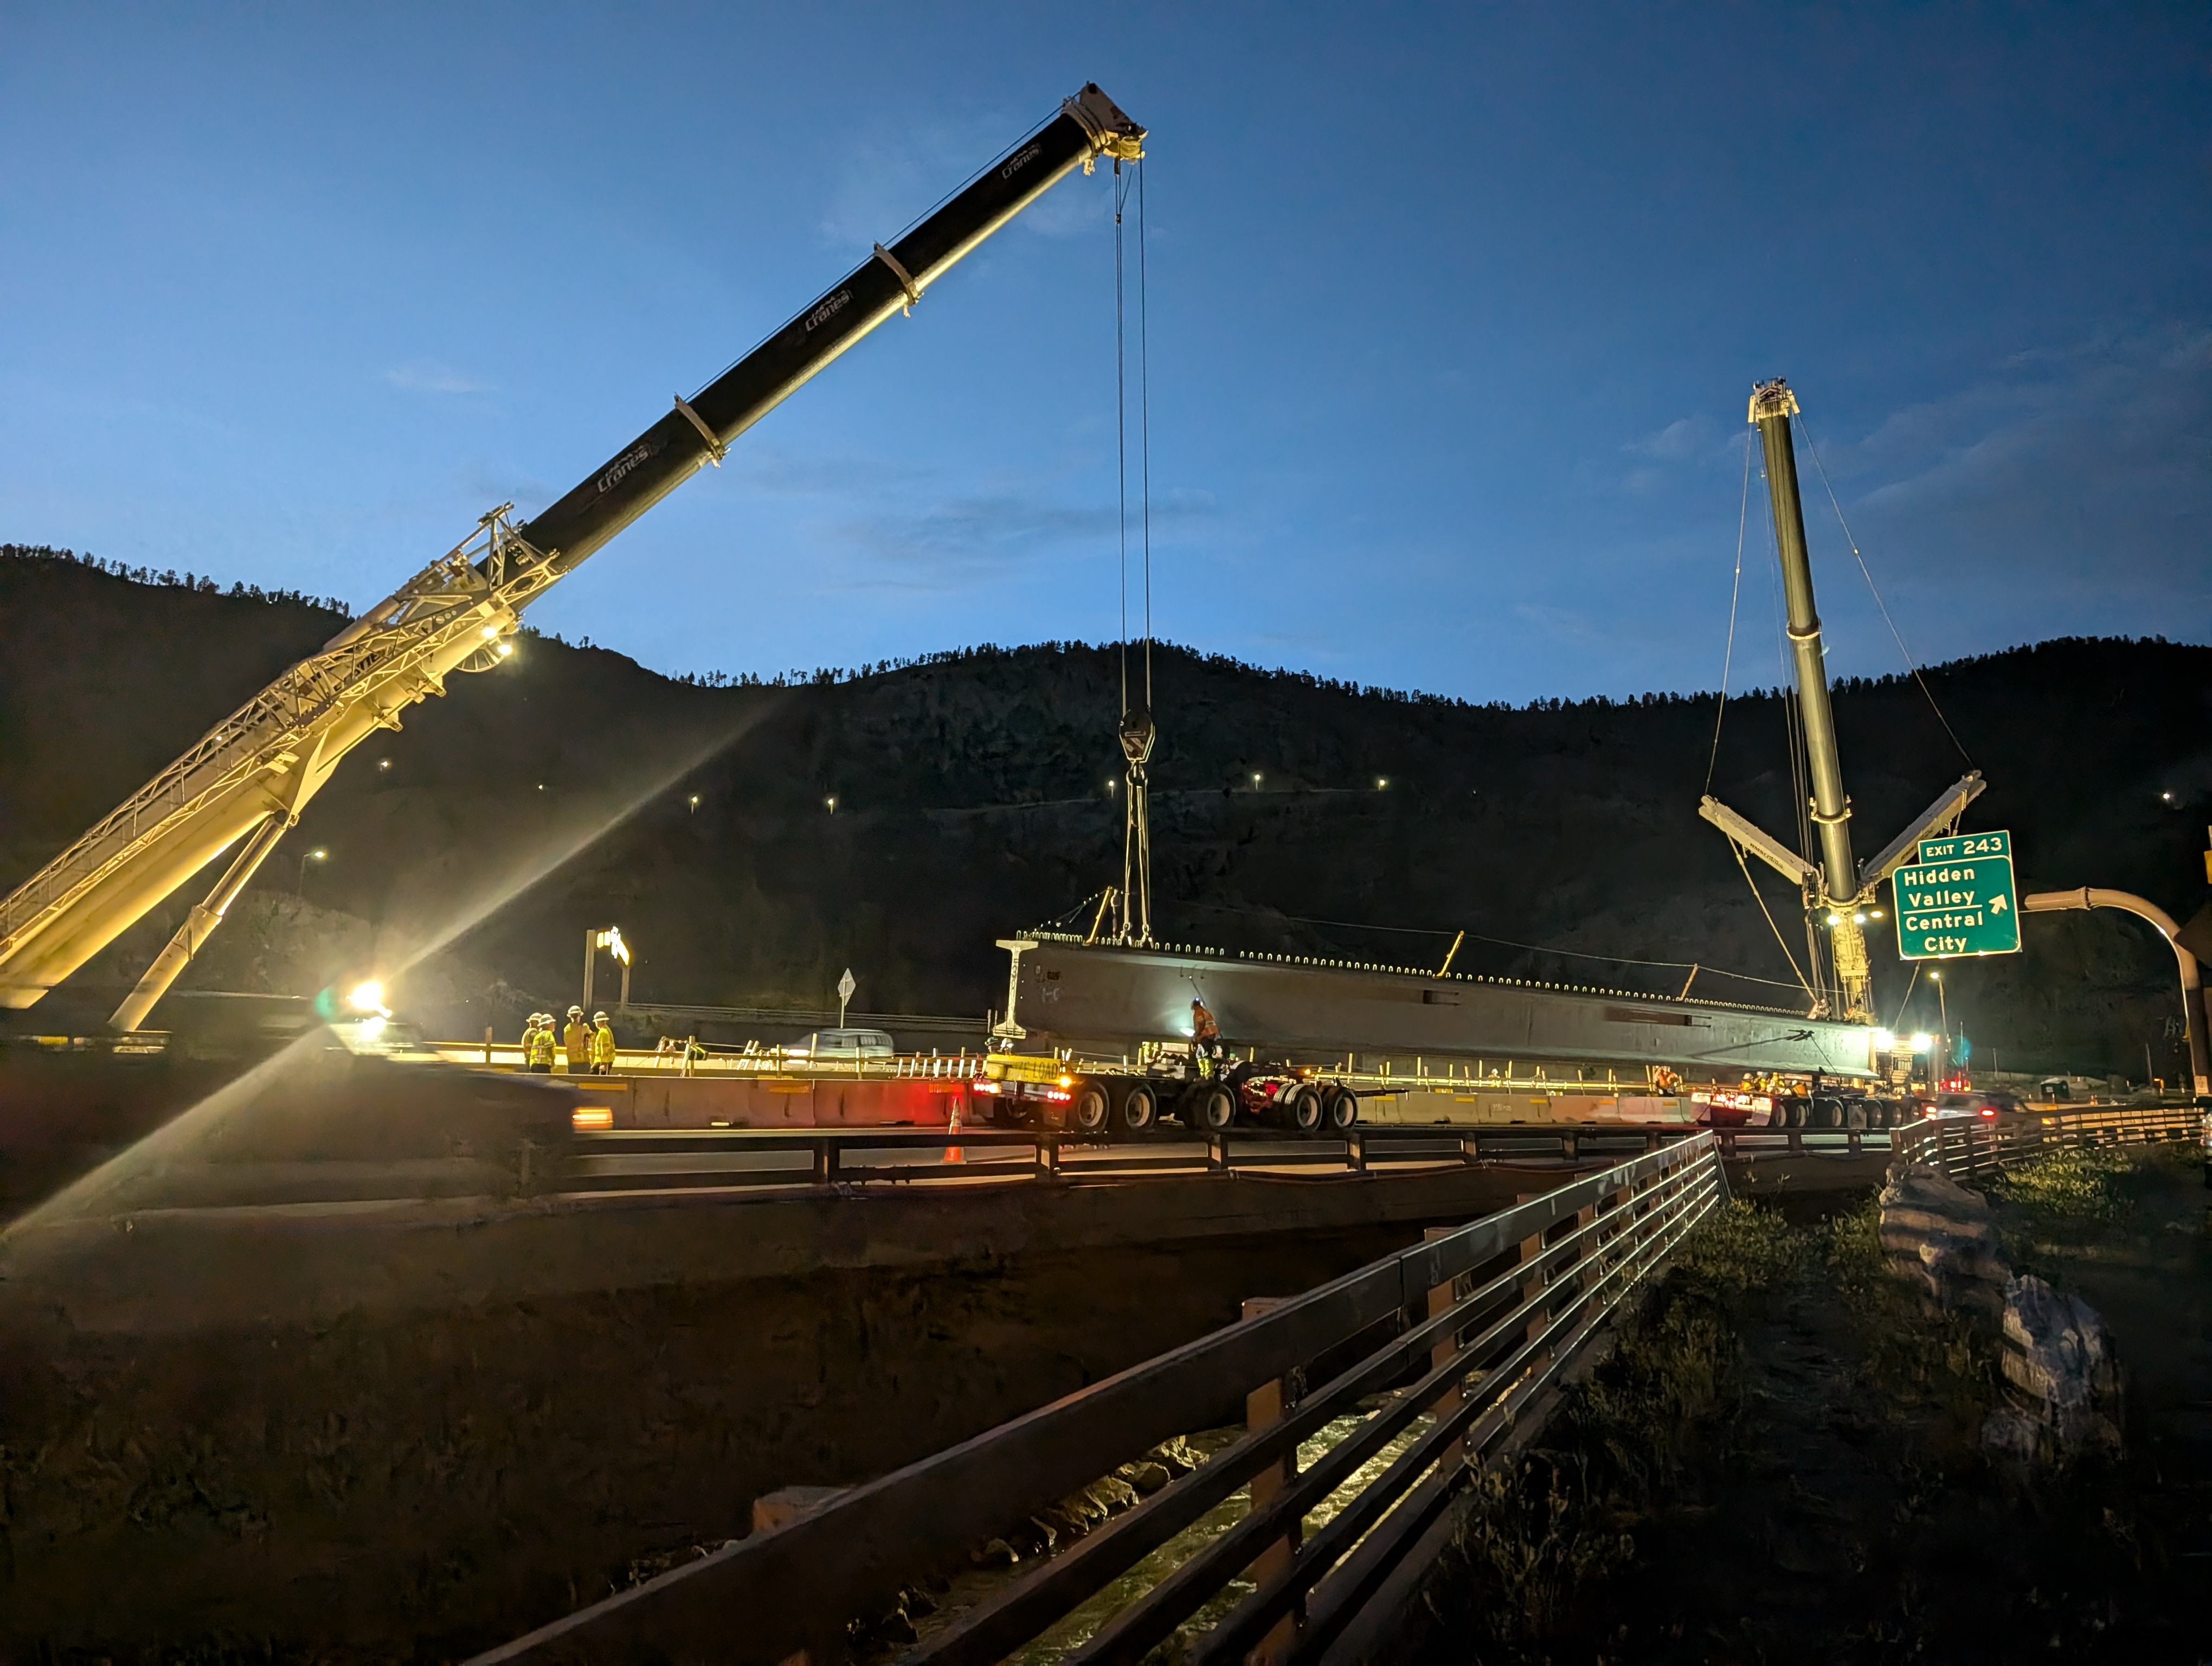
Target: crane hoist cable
[1137,733]
[1736,590]
[1896,635]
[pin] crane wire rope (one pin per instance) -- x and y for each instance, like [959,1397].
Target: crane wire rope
[1121,422]
[1735,589]
[1907,1001]
[1897,636]
[1811,993]
[1145,423]
[1123,179]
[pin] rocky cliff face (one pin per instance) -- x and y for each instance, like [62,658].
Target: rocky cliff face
[971,799]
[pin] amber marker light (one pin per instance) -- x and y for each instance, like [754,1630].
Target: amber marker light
[586,1119]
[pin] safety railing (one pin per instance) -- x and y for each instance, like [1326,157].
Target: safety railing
[1464,1338]
[628,1159]
[1964,1147]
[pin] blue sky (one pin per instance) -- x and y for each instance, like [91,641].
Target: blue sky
[1452,314]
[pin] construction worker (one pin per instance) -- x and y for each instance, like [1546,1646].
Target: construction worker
[1205,1037]
[539,1055]
[576,1043]
[602,1046]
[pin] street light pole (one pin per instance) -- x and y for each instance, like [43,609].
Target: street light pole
[2192,989]
[299,885]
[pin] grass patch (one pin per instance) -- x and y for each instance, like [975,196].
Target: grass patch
[1691,1392]
[2087,1185]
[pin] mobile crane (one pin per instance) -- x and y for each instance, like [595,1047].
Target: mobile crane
[248,778]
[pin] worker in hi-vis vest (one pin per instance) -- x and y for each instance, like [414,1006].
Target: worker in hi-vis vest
[576,1043]
[602,1046]
[541,1046]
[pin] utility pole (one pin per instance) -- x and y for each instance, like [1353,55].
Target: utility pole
[1772,406]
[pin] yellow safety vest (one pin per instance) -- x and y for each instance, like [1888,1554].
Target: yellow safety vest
[603,1045]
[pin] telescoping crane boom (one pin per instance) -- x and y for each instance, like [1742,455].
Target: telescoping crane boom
[248,778]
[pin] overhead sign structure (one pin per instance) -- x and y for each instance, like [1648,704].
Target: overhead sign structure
[1959,898]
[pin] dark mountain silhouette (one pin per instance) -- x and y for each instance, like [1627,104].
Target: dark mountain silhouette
[971,799]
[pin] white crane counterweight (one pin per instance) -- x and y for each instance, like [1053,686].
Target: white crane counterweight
[251,774]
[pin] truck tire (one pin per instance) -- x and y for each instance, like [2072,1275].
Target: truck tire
[1210,1109]
[1303,1111]
[1343,1109]
[1090,1110]
[1139,1108]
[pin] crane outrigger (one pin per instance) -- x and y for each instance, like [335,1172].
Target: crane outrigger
[248,778]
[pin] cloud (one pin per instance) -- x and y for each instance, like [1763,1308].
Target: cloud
[429,376]
[2067,485]
[957,542]
[1680,440]
[1562,624]
[964,541]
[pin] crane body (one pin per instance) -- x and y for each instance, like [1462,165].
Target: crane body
[249,778]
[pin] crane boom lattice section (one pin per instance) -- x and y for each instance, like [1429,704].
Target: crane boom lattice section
[271,754]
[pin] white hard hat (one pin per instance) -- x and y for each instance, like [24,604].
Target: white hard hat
[599,1017]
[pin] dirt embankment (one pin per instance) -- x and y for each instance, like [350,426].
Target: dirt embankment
[423,1485]
[1784,1459]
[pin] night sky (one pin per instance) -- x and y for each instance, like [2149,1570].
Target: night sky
[1453,312]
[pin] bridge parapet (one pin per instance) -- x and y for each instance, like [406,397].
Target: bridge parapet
[1466,1336]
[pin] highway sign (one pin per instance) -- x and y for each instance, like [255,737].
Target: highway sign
[1959,898]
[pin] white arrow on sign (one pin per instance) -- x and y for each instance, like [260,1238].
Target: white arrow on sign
[845,988]
[1997,903]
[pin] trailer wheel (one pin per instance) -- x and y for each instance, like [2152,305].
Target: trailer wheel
[1209,1110]
[1140,1110]
[1302,1109]
[1343,1109]
[1090,1110]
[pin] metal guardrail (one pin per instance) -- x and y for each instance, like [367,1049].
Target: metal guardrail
[1966,1147]
[1469,1331]
[845,1158]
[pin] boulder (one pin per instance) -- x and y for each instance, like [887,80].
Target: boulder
[2061,1374]
[1944,1238]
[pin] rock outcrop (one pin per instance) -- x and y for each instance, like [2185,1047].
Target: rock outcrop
[2062,1377]
[1944,1238]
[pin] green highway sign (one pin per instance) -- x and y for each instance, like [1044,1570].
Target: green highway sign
[1959,898]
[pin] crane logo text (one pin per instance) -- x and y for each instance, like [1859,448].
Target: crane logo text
[828,309]
[621,467]
[1020,161]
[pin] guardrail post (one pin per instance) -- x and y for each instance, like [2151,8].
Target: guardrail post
[1532,1283]
[1355,1151]
[1853,1140]
[1441,1298]
[1216,1152]
[1651,1141]
[825,1162]
[1585,1248]
[1048,1157]
[1569,1146]
[1263,1405]
[1797,1141]
[1470,1148]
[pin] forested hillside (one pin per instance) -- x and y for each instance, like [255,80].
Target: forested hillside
[753,841]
